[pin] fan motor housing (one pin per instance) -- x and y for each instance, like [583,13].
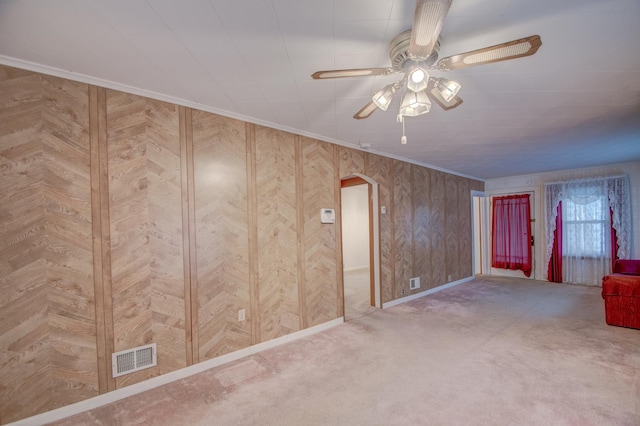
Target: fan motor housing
[399,51]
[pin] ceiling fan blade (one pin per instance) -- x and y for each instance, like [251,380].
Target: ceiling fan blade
[366,111]
[354,72]
[500,52]
[427,24]
[435,96]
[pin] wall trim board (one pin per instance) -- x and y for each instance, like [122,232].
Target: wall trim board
[392,228]
[337,199]
[96,217]
[118,394]
[300,247]
[252,219]
[188,234]
[425,293]
[45,69]
[101,235]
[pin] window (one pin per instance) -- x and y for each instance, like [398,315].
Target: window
[592,217]
[586,226]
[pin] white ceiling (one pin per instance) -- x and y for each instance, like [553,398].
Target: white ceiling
[575,103]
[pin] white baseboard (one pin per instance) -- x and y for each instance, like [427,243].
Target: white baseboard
[108,398]
[424,293]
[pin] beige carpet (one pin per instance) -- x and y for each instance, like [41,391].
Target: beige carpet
[357,294]
[486,352]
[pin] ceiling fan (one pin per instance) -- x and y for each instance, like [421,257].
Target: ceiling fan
[415,52]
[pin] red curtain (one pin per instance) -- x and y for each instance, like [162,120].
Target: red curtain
[554,273]
[512,233]
[614,243]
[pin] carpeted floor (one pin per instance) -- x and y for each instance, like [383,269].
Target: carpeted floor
[486,352]
[357,294]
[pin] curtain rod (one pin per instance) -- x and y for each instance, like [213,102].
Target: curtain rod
[586,178]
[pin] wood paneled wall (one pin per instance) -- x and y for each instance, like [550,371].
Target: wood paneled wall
[222,232]
[145,218]
[47,304]
[126,221]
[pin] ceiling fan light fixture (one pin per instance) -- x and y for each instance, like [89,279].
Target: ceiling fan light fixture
[415,104]
[448,89]
[417,78]
[383,97]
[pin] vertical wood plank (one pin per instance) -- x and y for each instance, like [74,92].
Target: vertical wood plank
[300,228]
[24,362]
[193,269]
[276,204]
[319,240]
[252,220]
[436,228]
[222,236]
[146,230]
[69,253]
[403,227]
[95,110]
[107,282]
[422,241]
[451,231]
[338,243]
[48,327]
[392,231]
[128,214]
[185,165]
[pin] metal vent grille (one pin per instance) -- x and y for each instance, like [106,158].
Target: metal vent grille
[414,283]
[125,362]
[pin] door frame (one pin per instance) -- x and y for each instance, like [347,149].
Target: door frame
[374,233]
[481,231]
[532,207]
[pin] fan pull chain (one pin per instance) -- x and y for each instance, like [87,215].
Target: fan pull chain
[403,139]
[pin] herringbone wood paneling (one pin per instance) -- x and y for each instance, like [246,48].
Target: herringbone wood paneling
[351,161]
[48,352]
[319,239]
[403,226]
[47,325]
[221,234]
[379,169]
[146,230]
[451,232]
[422,247]
[277,236]
[436,228]
[67,215]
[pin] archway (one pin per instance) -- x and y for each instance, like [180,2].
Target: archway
[374,240]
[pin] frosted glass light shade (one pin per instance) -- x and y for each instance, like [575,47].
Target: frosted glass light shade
[383,97]
[448,89]
[414,104]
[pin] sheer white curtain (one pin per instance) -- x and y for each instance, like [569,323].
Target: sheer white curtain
[587,208]
[586,233]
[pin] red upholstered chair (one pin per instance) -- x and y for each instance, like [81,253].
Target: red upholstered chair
[621,294]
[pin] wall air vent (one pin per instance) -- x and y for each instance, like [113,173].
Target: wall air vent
[414,283]
[125,362]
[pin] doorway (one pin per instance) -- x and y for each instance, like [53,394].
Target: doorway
[482,217]
[359,248]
